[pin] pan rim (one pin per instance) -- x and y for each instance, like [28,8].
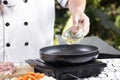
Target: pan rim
[42,50]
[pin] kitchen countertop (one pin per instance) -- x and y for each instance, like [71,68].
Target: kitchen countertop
[111,72]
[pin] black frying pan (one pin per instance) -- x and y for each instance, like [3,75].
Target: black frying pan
[68,54]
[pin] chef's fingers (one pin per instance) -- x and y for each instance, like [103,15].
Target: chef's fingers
[76,24]
[74,29]
[86,24]
[82,21]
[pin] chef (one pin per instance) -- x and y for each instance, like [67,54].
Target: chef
[28,25]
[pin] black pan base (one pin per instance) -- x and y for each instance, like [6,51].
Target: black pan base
[65,64]
[67,54]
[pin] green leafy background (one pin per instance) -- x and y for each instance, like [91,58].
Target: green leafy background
[104,20]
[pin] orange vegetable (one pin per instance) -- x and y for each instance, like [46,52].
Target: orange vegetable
[32,76]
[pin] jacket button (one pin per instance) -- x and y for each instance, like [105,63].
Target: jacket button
[25,1]
[8,44]
[5,2]
[7,24]
[26,44]
[25,23]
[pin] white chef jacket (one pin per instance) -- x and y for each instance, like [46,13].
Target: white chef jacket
[25,27]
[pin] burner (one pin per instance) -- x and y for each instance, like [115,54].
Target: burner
[68,72]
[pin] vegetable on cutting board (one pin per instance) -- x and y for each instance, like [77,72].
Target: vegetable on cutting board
[33,76]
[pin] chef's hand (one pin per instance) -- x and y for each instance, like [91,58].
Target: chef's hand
[80,19]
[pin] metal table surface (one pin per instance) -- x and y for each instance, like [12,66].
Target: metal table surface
[111,72]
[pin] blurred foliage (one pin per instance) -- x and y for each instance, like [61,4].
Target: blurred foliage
[104,19]
[62,15]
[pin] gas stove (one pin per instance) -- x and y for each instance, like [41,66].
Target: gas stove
[69,72]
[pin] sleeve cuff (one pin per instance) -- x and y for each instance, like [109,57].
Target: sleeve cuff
[63,3]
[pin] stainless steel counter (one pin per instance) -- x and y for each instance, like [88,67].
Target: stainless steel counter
[111,72]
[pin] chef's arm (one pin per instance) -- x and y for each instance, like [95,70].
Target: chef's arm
[80,19]
[74,5]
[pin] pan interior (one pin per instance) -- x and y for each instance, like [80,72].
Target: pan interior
[69,49]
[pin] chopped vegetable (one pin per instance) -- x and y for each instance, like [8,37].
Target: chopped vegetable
[31,76]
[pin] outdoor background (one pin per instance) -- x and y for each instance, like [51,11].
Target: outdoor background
[104,20]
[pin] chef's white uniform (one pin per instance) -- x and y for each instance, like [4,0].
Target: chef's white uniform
[25,27]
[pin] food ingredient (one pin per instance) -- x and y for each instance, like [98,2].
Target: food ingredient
[31,76]
[7,68]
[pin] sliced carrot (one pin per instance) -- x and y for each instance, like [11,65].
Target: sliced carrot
[32,76]
[26,77]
